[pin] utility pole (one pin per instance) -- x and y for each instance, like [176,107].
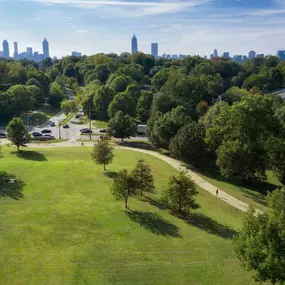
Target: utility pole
[90,122]
[59,133]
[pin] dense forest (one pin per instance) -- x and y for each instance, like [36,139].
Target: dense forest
[202,111]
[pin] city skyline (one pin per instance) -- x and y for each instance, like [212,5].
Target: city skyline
[188,27]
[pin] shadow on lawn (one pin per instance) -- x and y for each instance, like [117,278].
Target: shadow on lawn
[154,223]
[10,186]
[111,174]
[30,155]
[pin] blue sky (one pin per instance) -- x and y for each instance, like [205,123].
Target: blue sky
[184,26]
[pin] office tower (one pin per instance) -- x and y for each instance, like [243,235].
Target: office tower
[174,56]
[36,56]
[244,58]
[237,58]
[154,50]
[226,55]
[215,54]
[75,53]
[211,56]
[45,48]
[1,53]
[134,44]
[16,51]
[281,54]
[6,52]
[29,52]
[260,55]
[181,56]
[251,54]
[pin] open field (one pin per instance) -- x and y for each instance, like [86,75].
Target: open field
[64,227]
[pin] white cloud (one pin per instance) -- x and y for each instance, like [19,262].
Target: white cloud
[82,31]
[265,12]
[38,19]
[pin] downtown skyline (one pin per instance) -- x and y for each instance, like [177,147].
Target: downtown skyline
[192,27]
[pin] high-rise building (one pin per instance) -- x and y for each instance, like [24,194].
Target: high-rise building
[6,52]
[260,55]
[251,54]
[154,50]
[45,48]
[281,54]
[134,44]
[215,53]
[211,56]
[16,51]
[75,53]
[1,53]
[226,55]
[30,52]
[237,58]
[181,56]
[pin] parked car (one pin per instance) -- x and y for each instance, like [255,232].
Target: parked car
[78,116]
[86,131]
[52,124]
[81,130]
[103,131]
[49,137]
[2,136]
[46,131]
[66,126]
[36,134]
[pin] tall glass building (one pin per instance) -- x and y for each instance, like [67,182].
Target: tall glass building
[134,44]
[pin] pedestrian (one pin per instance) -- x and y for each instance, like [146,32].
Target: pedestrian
[217,192]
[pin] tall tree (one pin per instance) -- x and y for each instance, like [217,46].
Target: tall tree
[180,193]
[65,107]
[56,95]
[122,102]
[143,177]
[123,186]
[101,101]
[17,132]
[144,106]
[122,126]
[103,152]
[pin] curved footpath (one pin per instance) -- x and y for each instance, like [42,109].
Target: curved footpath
[175,164]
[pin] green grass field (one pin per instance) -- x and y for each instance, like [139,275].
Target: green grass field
[64,227]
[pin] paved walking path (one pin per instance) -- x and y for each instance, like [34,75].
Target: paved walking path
[175,164]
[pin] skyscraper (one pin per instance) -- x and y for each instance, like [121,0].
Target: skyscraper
[134,44]
[16,52]
[154,50]
[226,55]
[215,53]
[251,54]
[45,48]
[6,52]
[30,52]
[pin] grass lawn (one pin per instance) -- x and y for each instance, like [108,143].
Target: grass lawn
[47,141]
[253,194]
[66,228]
[99,124]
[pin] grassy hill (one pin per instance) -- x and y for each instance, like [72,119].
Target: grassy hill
[64,227]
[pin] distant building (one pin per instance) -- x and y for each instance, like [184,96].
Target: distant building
[205,57]
[211,56]
[75,53]
[226,55]
[168,56]
[54,58]
[163,55]
[260,55]
[36,56]
[237,58]
[6,52]
[281,54]
[16,51]
[181,56]
[215,53]
[244,58]
[134,44]
[45,48]
[251,54]
[174,56]
[1,53]
[30,52]
[154,50]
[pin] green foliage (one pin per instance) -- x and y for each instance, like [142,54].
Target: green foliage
[260,243]
[122,102]
[123,186]
[122,126]
[235,94]
[102,98]
[33,81]
[6,104]
[103,152]
[162,103]
[143,177]
[56,95]
[119,83]
[143,109]
[180,194]
[160,78]
[65,107]
[202,108]
[17,132]
[37,94]
[188,145]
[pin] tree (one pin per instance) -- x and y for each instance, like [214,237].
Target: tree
[23,99]
[144,106]
[103,152]
[235,94]
[122,102]
[202,108]
[56,95]
[142,175]
[101,101]
[260,243]
[160,78]
[17,132]
[123,186]
[119,83]
[65,107]
[37,94]
[180,193]
[188,145]
[122,126]
[33,81]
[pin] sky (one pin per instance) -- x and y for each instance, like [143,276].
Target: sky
[192,27]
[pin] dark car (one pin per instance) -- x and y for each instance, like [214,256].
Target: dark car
[81,130]
[103,131]
[52,124]
[36,134]
[2,136]
[86,131]
[66,126]
[78,116]
[46,131]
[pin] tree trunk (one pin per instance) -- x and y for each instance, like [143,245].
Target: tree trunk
[18,148]
[126,202]
[283,179]
[104,166]
[122,139]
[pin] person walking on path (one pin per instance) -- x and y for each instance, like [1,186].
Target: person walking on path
[217,192]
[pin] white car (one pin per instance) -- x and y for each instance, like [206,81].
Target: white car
[48,137]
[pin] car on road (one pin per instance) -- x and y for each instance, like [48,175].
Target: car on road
[103,131]
[66,126]
[77,116]
[86,131]
[48,137]
[2,136]
[52,124]
[46,131]
[36,134]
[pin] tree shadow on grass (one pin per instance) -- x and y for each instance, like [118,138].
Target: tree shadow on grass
[30,155]
[154,223]
[208,224]
[111,174]
[10,186]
